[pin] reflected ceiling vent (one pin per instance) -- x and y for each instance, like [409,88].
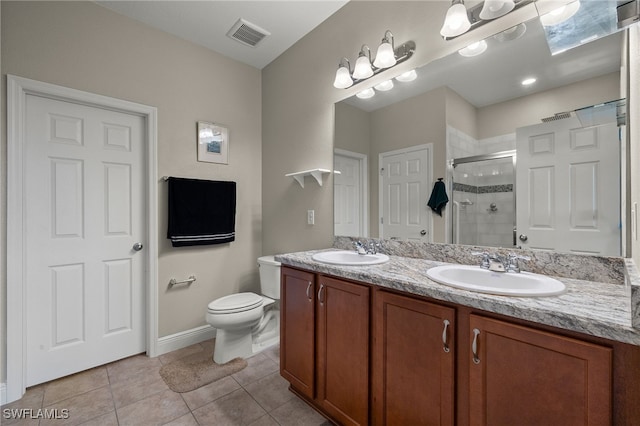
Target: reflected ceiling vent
[247,33]
[557,116]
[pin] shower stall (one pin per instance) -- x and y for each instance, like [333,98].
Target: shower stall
[483,200]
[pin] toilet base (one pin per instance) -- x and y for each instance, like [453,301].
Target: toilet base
[243,343]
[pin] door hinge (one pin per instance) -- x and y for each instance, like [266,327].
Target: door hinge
[381,221]
[382,171]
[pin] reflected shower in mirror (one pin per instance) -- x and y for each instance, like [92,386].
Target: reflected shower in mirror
[468,106]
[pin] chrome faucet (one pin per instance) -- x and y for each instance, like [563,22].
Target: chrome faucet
[361,249]
[496,263]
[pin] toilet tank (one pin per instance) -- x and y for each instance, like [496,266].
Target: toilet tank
[269,276]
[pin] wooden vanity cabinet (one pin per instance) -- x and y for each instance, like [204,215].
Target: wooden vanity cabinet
[524,376]
[324,351]
[413,358]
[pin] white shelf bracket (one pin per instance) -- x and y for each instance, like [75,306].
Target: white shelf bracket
[317,174]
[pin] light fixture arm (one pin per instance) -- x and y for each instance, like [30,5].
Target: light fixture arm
[341,63]
[364,46]
[385,39]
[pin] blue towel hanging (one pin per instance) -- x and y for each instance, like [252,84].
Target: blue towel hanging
[201,212]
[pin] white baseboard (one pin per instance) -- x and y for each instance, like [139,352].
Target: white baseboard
[3,393]
[185,338]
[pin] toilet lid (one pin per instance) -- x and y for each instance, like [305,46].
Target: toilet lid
[235,303]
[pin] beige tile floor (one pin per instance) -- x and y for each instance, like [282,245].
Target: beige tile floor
[131,392]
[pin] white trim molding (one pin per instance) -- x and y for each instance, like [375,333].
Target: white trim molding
[17,90]
[185,338]
[363,159]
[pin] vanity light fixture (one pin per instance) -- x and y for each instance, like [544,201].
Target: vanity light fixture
[343,75]
[366,93]
[560,14]
[363,68]
[456,22]
[407,76]
[460,20]
[384,86]
[492,9]
[387,56]
[474,49]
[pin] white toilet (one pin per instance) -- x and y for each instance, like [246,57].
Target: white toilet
[248,323]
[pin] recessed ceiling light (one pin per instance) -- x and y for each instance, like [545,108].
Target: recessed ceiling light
[528,81]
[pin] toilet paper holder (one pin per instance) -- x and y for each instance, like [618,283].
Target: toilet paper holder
[188,281]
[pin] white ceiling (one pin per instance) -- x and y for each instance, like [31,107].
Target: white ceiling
[206,23]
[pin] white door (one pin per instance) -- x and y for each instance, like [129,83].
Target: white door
[568,182]
[84,171]
[405,182]
[348,202]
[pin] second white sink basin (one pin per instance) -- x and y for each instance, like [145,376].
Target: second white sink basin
[474,278]
[349,258]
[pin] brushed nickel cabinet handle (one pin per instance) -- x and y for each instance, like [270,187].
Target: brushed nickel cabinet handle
[474,346]
[309,295]
[445,340]
[320,298]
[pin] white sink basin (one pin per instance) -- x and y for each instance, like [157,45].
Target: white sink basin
[474,278]
[347,257]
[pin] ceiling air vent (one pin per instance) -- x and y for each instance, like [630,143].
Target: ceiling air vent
[557,116]
[247,33]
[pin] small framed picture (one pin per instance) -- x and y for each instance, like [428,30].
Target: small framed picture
[213,143]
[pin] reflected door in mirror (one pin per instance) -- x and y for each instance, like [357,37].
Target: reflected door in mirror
[568,180]
[405,179]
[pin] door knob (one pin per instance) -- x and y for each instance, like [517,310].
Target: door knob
[523,237]
[423,232]
[137,246]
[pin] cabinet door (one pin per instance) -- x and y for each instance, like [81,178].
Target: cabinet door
[343,350]
[522,376]
[297,322]
[413,361]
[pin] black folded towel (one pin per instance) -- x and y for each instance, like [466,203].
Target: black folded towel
[438,198]
[201,212]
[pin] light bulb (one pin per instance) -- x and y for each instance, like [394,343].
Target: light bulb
[407,76]
[385,56]
[363,68]
[366,93]
[343,78]
[456,22]
[384,86]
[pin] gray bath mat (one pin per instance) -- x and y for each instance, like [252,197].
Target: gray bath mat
[194,371]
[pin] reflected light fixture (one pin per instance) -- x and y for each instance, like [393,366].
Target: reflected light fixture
[474,49]
[343,75]
[366,93]
[384,86]
[363,68]
[560,14]
[492,9]
[407,76]
[387,56]
[528,81]
[456,22]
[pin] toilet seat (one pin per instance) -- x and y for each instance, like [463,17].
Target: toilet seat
[234,303]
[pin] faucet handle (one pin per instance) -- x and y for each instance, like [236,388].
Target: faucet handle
[359,248]
[512,262]
[486,258]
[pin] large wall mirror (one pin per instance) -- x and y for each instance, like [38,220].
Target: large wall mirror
[537,166]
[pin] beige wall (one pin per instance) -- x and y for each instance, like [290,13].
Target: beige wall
[298,99]
[352,129]
[461,115]
[86,47]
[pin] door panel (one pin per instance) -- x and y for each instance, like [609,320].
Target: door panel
[405,182]
[85,209]
[568,180]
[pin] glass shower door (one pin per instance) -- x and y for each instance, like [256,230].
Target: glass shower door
[483,206]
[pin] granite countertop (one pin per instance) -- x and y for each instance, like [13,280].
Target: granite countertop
[589,307]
